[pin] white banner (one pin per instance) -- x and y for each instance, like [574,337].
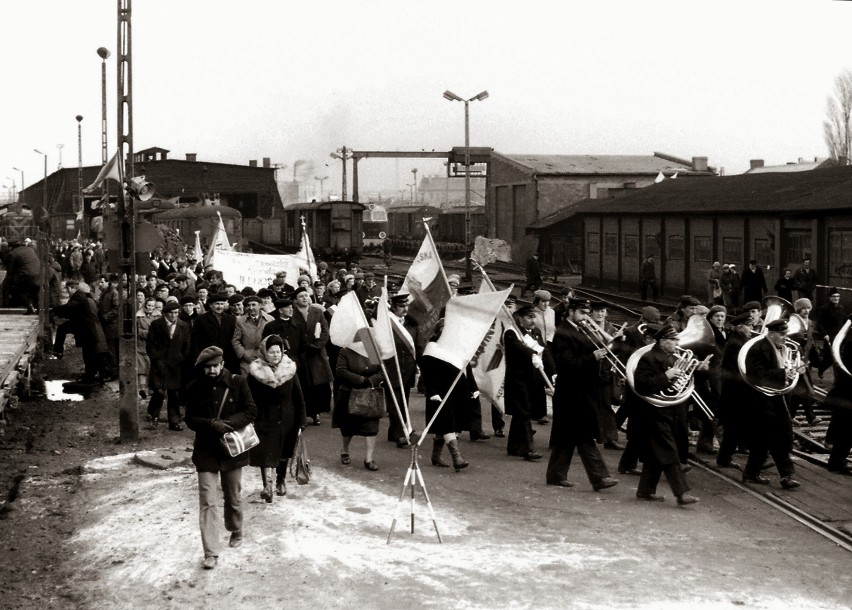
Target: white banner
[256,270]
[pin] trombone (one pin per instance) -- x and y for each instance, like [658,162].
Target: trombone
[601,340]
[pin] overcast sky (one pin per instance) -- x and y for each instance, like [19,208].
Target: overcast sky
[233,81]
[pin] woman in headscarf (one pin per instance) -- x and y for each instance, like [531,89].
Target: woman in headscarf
[354,371]
[280,413]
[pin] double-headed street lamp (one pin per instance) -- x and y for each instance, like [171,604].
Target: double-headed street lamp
[321,180]
[449,95]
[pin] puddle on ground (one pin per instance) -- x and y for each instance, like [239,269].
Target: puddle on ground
[56,392]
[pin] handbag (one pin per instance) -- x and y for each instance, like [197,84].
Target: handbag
[300,465]
[239,441]
[367,402]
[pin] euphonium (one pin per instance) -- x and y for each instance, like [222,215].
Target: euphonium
[791,354]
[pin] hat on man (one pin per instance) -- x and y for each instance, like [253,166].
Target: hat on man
[667,331]
[303,278]
[832,291]
[651,329]
[752,261]
[278,281]
[201,284]
[186,299]
[717,309]
[369,276]
[234,298]
[171,306]
[248,291]
[299,290]
[399,299]
[777,326]
[217,298]
[751,305]
[598,305]
[802,304]
[319,283]
[209,355]
[181,277]
[283,303]
[453,280]
[322,265]
[688,300]
[265,292]
[650,314]
[113,278]
[579,304]
[252,298]
[542,295]
[524,310]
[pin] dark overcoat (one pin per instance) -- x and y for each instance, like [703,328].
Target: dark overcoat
[839,401]
[437,376]
[209,330]
[766,415]
[168,354]
[524,393]
[353,372]
[315,361]
[575,418]
[82,311]
[203,396]
[280,414]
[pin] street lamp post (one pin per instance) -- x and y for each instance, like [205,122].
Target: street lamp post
[411,192]
[449,95]
[321,180]
[37,217]
[22,181]
[414,171]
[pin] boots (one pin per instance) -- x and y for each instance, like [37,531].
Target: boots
[458,461]
[266,494]
[280,479]
[437,448]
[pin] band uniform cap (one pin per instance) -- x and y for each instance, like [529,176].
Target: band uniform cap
[652,328]
[283,303]
[218,297]
[651,314]
[688,300]
[716,309]
[579,304]
[597,305]
[399,299]
[833,290]
[171,306]
[252,298]
[181,278]
[751,305]
[209,355]
[542,295]
[234,298]
[186,299]
[453,279]
[319,283]
[524,310]
[802,304]
[777,326]
[667,331]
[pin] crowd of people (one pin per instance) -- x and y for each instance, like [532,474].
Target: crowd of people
[218,356]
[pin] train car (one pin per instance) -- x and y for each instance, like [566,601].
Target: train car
[16,223]
[407,221]
[186,221]
[451,224]
[335,228]
[375,224]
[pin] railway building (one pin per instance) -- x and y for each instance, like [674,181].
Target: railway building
[533,191]
[777,218]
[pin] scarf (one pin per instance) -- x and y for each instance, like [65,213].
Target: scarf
[271,374]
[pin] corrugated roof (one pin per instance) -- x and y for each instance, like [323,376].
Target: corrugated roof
[784,193]
[650,165]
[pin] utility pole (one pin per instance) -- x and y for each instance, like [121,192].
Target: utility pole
[343,154]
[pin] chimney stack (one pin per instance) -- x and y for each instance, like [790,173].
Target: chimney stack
[252,162]
[191,156]
[699,164]
[266,162]
[755,163]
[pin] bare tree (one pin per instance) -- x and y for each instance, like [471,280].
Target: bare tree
[837,127]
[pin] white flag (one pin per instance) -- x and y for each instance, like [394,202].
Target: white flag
[220,241]
[489,361]
[659,178]
[112,169]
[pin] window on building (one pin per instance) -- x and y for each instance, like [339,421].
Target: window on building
[593,242]
[652,246]
[763,252]
[702,249]
[611,244]
[732,250]
[675,247]
[840,254]
[798,248]
[631,246]
[69,224]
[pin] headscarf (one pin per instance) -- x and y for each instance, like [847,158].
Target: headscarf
[271,374]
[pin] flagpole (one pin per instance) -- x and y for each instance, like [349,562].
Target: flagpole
[515,326]
[440,263]
[398,369]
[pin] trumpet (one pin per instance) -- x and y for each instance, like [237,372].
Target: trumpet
[601,340]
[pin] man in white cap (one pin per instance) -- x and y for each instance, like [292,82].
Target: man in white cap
[453,280]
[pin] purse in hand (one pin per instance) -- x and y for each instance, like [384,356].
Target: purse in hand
[367,402]
[300,465]
[238,441]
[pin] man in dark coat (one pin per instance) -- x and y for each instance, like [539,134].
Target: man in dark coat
[839,400]
[23,271]
[753,282]
[733,399]
[769,429]
[218,402]
[533,274]
[524,387]
[285,327]
[575,419]
[108,313]
[829,322]
[169,344]
[648,278]
[654,426]
[215,327]
[805,280]
[81,311]
[314,370]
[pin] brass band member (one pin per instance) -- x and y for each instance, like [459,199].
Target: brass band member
[608,386]
[575,421]
[769,429]
[840,428]
[655,426]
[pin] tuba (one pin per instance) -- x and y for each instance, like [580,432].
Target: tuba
[776,309]
[837,344]
[696,337]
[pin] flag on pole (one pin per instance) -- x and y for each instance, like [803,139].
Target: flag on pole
[428,287]
[489,362]
[306,256]
[349,328]
[382,329]
[220,241]
[466,323]
[197,253]
[675,176]
[112,169]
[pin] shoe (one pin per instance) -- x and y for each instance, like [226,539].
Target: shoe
[633,471]
[789,482]
[316,421]
[650,497]
[344,459]
[499,433]
[757,480]
[532,456]
[155,421]
[565,483]
[175,427]
[605,483]
[235,540]
[371,465]
[686,499]
[143,394]
[613,445]
[54,356]
[280,486]
[209,562]
[437,448]
[543,421]
[479,436]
